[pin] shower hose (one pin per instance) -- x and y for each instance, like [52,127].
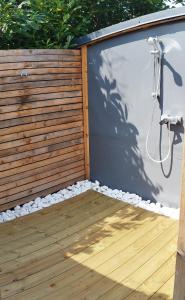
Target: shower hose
[156,96]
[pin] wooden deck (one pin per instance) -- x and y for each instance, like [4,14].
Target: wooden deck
[89,247]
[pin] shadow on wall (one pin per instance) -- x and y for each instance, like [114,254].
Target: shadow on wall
[115,157]
[177,130]
[115,143]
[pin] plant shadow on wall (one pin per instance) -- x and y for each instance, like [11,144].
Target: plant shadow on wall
[116,159]
[175,131]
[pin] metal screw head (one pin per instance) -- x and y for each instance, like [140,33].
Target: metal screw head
[24,73]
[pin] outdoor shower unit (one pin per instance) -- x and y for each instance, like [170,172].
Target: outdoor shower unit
[136,105]
[165,118]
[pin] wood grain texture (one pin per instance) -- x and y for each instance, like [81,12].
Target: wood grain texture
[179,287]
[41,123]
[88,247]
[24,52]
[5,75]
[85,110]
[34,65]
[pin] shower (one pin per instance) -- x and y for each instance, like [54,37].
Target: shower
[167,119]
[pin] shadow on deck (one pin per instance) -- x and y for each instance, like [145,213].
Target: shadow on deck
[88,247]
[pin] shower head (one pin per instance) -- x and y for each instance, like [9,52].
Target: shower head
[152,41]
[155,43]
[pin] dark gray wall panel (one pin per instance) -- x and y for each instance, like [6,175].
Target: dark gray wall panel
[120,108]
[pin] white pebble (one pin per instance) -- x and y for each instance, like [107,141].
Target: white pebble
[79,188]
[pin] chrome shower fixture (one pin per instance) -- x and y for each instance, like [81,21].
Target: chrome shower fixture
[155,43]
[157,57]
[165,118]
[172,120]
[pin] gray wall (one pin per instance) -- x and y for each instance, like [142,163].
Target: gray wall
[120,108]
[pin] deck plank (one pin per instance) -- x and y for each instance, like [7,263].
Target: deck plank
[165,292]
[88,247]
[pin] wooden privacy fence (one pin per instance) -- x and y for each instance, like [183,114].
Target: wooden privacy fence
[41,123]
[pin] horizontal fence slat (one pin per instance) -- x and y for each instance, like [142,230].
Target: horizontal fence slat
[35,65]
[41,57]
[42,193]
[38,111]
[37,174]
[40,155]
[16,132]
[38,118]
[63,142]
[36,91]
[53,144]
[46,182]
[19,52]
[39,84]
[64,153]
[42,167]
[7,82]
[8,74]
[39,104]
[41,131]
[42,137]
[51,175]
[41,123]
[74,92]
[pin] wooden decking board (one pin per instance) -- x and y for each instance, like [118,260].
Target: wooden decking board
[153,283]
[54,242]
[18,274]
[71,233]
[101,253]
[89,247]
[58,268]
[144,275]
[46,217]
[92,235]
[165,292]
[87,244]
[116,269]
[71,225]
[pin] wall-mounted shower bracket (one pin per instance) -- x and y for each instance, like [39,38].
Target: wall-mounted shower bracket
[171,120]
[155,52]
[155,43]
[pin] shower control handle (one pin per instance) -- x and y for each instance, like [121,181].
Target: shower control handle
[172,120]
[163,121]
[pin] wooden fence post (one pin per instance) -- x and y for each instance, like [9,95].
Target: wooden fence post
[85,109]
[179,287]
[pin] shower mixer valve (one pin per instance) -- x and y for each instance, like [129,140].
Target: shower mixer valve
[172,120]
